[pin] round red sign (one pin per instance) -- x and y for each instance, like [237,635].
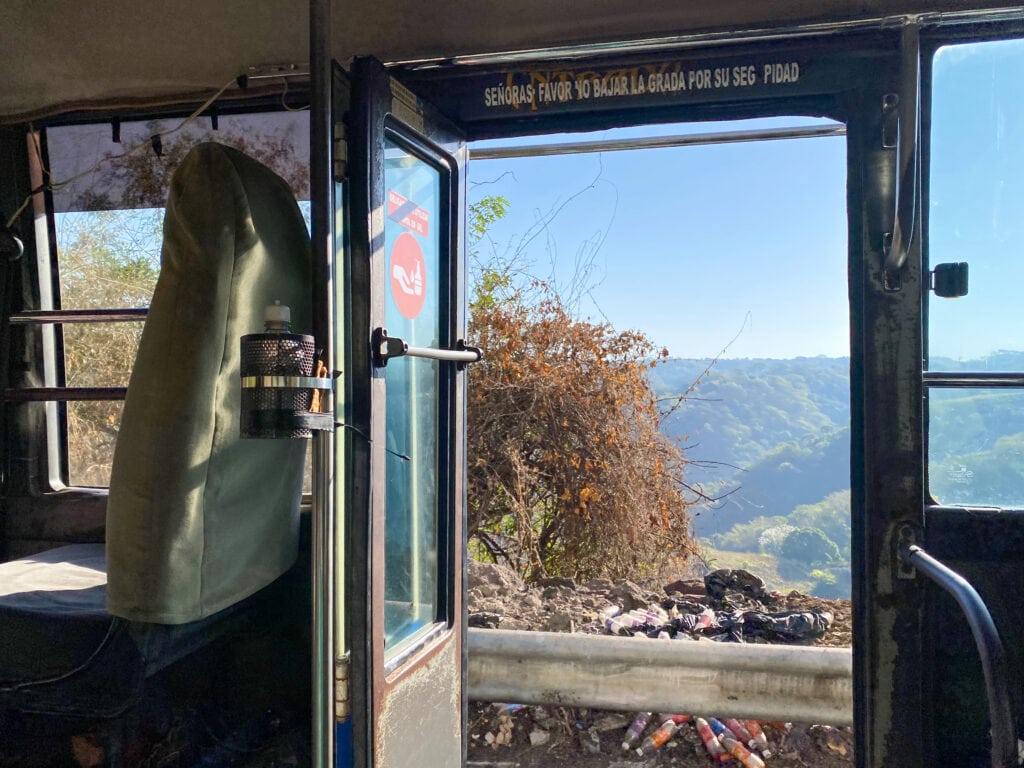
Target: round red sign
[408,275]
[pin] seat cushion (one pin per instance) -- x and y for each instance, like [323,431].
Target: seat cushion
[62,653]
[40,597]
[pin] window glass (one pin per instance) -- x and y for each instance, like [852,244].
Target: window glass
[92,432]
[976,446]
[976,204]
[414,283]
[109,201]
[976,215]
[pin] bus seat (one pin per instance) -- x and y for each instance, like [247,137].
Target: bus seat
[199,521]
[198,518]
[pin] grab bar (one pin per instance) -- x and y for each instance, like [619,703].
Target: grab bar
[990,648]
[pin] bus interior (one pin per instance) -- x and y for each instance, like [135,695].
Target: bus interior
[233,354]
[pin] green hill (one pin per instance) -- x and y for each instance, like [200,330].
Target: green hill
[771,434]
[785,477]
[740,409]
[772,439]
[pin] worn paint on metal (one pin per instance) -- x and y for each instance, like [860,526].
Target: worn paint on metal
[423,715]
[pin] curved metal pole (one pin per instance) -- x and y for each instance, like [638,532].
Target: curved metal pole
[321,189]
[990,648]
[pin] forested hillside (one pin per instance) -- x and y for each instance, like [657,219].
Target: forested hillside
[772,434]
[740,409]
[771,440]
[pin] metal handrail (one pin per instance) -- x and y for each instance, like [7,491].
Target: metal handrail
[66,316]
[966,379]
[990,648]
[907,150]
[63,394]
[385,347]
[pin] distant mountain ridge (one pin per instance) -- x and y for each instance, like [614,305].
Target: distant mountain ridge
[770,434]
[776,429]
[1000,360]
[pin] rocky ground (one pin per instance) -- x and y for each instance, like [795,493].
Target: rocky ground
[516,736]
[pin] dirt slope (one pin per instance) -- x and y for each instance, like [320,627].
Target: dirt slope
[560,737]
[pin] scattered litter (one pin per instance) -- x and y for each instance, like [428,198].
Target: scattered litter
[635,730]
[611,721]
[742,754]
[724,582]
[758,740]
[728,606]
[721,730]
[742,734]
[658,738]
[708,737]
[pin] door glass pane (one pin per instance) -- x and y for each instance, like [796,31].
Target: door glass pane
[414,283]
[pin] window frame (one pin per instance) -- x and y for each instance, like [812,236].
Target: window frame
[407,647]
[51,319]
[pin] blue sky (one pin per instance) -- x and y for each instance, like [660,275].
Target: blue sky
[696,246]
[977,195]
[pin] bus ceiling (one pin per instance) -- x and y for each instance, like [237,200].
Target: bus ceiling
[75,56]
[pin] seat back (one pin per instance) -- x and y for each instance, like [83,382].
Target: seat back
[198,518]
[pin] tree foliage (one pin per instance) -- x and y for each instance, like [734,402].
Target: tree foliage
[142,179]
[569,472]
[748,537]
[831,516]
[108,260]
[809,546]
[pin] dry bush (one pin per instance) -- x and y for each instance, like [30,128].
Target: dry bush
[569,473]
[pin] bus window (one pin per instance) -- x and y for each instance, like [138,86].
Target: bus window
[108,215]
[976,342]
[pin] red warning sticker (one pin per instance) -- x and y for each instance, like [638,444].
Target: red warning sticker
[408,275]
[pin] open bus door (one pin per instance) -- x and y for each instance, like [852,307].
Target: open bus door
[914,659]
[405,407]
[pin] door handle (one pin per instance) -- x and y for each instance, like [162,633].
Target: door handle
[386,347]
